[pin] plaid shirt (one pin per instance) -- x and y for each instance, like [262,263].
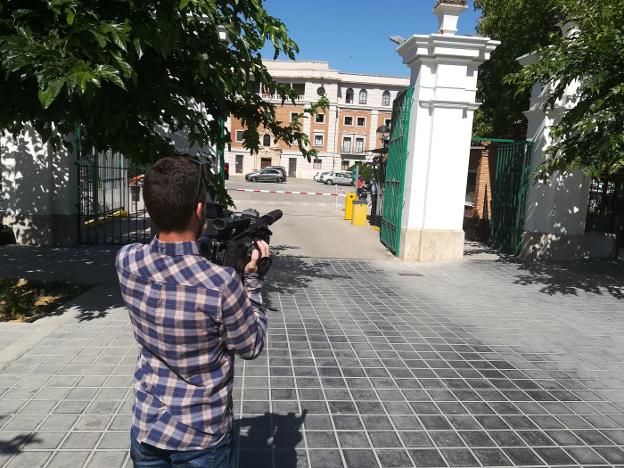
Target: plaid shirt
[189,317]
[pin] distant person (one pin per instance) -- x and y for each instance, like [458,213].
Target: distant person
[359,185]
[190,317]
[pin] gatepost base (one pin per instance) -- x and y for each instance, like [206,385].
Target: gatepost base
[561,248]
[425,245]
[48,230]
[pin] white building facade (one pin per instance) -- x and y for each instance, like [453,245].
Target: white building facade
[344,134]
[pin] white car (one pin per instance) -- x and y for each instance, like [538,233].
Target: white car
[338,178]
[319,175]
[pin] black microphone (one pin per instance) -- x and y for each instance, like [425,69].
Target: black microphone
[272,216]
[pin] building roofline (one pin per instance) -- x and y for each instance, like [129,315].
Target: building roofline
[324,62]
[375,75]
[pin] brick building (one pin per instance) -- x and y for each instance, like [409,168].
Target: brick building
[343,135]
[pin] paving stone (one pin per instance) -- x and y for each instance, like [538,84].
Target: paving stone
[29,459]
[107,459]
[82,440]
[68,459]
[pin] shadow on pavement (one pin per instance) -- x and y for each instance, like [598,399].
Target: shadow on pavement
[260,438]
[601,277]
[16,444]
[85,265]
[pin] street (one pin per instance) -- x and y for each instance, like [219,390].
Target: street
[313,225]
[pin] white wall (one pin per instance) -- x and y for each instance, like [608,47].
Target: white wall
[39,190]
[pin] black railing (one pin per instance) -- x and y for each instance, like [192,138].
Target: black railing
[110,200]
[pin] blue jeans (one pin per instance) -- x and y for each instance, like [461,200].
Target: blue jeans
[146,456]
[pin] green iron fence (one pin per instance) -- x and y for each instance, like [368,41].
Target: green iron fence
[110,200]
[605,209]
[509,192]
[395,173]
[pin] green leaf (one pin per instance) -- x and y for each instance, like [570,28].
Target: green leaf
[48,94]
[100,38]
[183,4]
[137,47]
[70,17]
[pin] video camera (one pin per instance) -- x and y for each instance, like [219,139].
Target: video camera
[231,237]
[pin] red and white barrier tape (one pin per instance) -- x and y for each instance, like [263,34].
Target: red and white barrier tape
[288,192]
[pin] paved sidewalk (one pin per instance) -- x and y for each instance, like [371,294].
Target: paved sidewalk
[484,362]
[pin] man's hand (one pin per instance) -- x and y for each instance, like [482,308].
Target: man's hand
[261,251]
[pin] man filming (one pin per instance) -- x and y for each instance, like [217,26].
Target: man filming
[189,317]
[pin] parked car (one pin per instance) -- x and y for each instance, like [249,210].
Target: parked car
[282,169]
[338,178]
[266,175]
[319,175]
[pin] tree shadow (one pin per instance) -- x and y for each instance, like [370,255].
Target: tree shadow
[268,440]
[604,277]
[600,277]
[291,273]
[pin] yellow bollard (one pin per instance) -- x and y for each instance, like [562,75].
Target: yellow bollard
[349,205]
[360,210]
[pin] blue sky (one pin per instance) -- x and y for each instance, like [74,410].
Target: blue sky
[352,35]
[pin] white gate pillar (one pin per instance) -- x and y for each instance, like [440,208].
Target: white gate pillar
[556,209]
[39,190]
[444,70]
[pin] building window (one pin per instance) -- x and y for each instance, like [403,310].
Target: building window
[385,98]
[317,163]
[239,135]
[361,121]
[320,118]
[346,145]
[318,140]
[363,96]
[344,165]
[388,122]
[294,116]
[359,145]
[349,96]
[348,120]
[299,89]
[266,140]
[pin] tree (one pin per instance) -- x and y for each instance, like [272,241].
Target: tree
[124,70]
[590,135]
[522,27]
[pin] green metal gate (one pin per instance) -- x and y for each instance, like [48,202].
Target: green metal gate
[395,172]
[110,200]
[513,165]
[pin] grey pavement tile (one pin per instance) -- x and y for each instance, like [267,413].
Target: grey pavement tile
[115,440]
[491,457]
[459,457]
[38,407]
[29,459]
[395,458]
[71,407]
[93,422]
[353,439]
[325,459]
[44,440]
[320,439]
[82,440]
[107,459]
[427,457]
[358,458]
[58,422]
[23,422]
[68,459]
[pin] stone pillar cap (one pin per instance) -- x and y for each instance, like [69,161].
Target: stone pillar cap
[448,12]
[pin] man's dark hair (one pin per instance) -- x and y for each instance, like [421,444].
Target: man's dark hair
[170,191]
